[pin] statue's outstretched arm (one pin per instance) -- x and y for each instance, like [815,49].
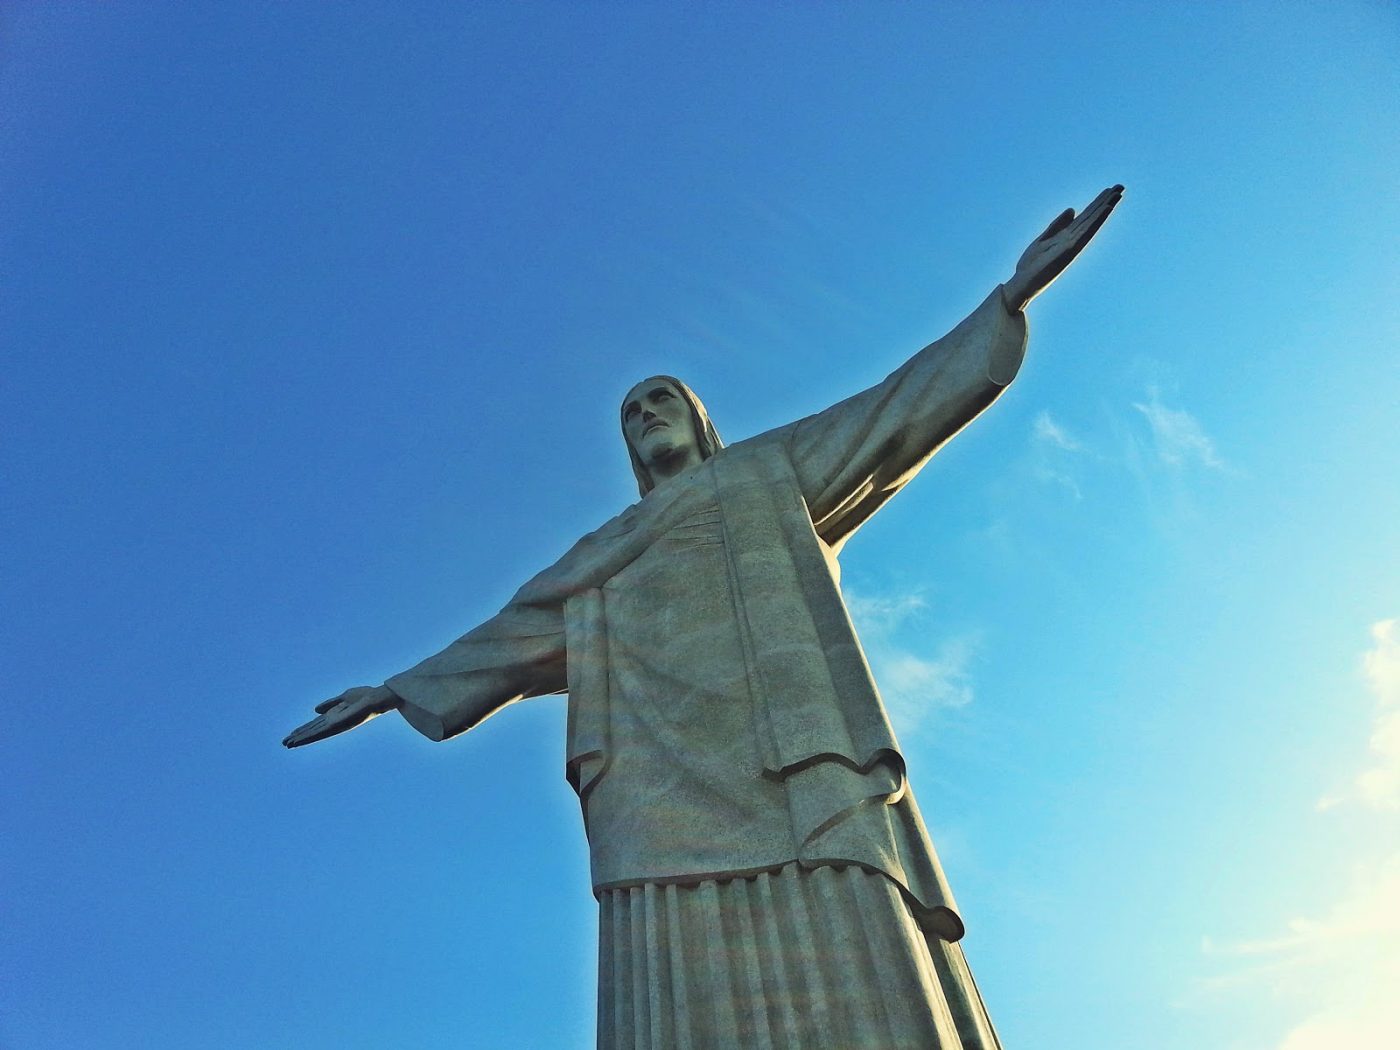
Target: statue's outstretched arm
[516,654]
[851,458]
[471,698]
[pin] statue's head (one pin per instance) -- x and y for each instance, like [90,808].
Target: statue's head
[662,419]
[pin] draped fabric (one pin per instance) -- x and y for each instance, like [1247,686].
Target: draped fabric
[827,959]
[842,464]
[723,721]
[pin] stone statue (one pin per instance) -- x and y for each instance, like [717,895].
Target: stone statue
[763,874]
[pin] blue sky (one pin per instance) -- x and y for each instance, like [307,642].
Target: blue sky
[315,322]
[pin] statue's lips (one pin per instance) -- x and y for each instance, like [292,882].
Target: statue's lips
[655,424]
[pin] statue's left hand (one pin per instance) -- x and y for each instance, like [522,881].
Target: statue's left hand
[1056,248]
[346,711]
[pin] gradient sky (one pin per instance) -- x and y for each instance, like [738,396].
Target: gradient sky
[315,320]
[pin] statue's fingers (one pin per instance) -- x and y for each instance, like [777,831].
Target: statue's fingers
[1096,215]
[326,705]
[1060,222]
[1104,203]
[301,733]
[306,734]
[1108,197]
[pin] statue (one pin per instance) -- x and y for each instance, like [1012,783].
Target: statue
[763,875]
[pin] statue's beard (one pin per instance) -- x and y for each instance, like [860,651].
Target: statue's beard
[662,445]
[659,450]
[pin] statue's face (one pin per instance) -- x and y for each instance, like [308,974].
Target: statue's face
[657,422]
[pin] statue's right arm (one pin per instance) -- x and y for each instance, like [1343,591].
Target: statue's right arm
[516,654]
[493,690]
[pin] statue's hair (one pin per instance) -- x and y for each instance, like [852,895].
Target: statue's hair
[706,437]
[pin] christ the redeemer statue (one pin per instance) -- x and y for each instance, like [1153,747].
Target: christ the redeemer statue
[763,875]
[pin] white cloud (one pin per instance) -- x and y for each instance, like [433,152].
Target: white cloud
[1334,1033]
[915,680]
[1340,971]
[1378,785]
[1381,663]
[1177,435]
[1339,974]
[1051,441]
[1045,429]
[880,614]
[944,681]
[1051,476]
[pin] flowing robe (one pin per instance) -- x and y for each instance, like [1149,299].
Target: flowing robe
[723,721]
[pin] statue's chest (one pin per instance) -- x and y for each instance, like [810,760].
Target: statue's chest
[675,596]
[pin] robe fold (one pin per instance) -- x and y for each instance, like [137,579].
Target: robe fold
[723,720]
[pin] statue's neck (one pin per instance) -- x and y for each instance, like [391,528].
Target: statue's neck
[666,467]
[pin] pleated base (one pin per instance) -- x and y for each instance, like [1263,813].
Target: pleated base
[830,958]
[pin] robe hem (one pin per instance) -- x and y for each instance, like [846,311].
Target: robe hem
[939,919]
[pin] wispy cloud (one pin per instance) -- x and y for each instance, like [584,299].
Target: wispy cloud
[1160,446]
[916,680]
[1045,429]
[1177,435]
[1053,447]
[1378,785]
[882,613]
[1340,970]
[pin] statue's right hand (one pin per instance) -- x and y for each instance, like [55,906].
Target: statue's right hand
[1051,252]
[346,711]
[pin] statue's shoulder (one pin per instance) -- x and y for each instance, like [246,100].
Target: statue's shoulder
[764,458]
[618,525]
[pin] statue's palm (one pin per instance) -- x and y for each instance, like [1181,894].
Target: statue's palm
[346,711]
[1051,252]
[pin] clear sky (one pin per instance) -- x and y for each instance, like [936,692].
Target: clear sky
[315,319]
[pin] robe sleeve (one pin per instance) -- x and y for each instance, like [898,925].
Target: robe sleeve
[518,653]
[854,456]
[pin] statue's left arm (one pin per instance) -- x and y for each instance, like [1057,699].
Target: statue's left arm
[854,456]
